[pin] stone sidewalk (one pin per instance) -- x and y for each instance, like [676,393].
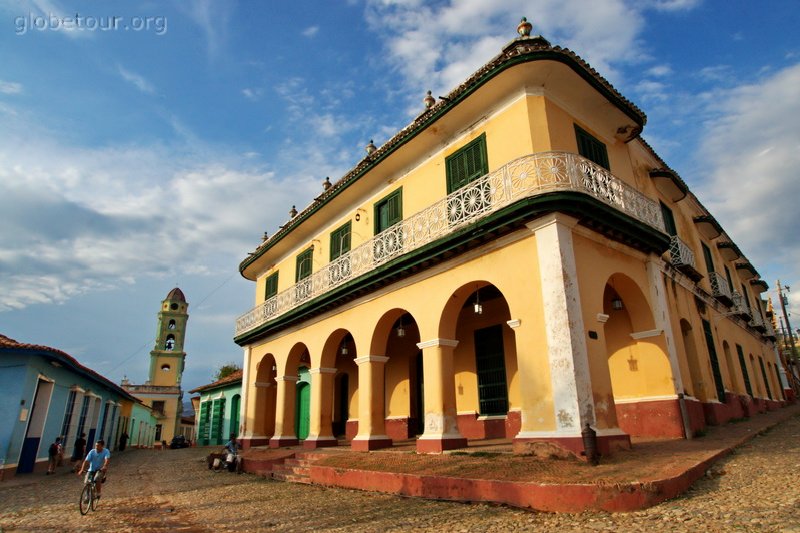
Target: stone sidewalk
[755,488]
[653,471]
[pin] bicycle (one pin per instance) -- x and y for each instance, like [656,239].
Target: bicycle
[89,493]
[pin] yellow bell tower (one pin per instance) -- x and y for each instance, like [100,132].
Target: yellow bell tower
[167,358]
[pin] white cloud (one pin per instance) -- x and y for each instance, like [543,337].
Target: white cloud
[212,17]
[80,220]
[10,87]
[752,152]
[659,71]
[252,94]
[437,46]
[311,31]
[136,80]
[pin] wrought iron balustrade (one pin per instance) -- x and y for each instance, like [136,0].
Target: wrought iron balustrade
[525,177]
[720,288]
[740,306]
[680,254]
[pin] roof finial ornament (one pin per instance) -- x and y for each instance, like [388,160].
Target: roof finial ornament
[293,212]
[429,100]
[265,237]
[370,147]
[524,28]
[326,184]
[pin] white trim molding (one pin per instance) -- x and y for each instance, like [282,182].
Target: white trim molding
[646,334]
[321,370]
[514,324]
[437,342]
[371,359]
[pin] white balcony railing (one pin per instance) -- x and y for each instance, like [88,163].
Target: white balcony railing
[525,177]
[740,306]
[719,286]
[680,255]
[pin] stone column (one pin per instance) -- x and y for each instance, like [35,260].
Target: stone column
[284,413]
[441,424]
[371,405]
[570,380]
[262,425]
[320,433]
[658,295]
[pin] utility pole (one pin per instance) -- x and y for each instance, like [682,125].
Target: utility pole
[790,360]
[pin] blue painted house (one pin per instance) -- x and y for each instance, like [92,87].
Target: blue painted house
[46,393]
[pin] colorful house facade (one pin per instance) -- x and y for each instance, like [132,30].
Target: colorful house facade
[218,410]
[517,262]
[46,393]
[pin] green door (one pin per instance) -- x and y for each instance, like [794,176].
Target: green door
[303,411]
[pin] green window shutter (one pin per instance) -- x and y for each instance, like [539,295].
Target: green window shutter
[389,211]
[778,393]
[490,365]
[303,269]
[730,280]
[340,241]
[712,353]
[217,419]
[467,164]
[669,220]
[202,430]
[743,366]
[707,256]
[764,375]
[271,286]
[591,148]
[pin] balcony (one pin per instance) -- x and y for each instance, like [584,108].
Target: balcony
[526,177]
[757,323]
[740,307]
[769,331]
[720,288]
[682,258]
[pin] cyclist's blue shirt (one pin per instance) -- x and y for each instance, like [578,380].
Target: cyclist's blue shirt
[96,459]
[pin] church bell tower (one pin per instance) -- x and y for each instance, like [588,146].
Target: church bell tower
[167,358]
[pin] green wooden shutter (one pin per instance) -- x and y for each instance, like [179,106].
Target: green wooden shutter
[730,280]
[303,268]
[764,375]
[217,419]
[202,430]
[779,392]
[271,288]
[591,148]
[303,413]
[467,164]
[491,369]
[235,406]
[743,366]
[712,353]
[708,257]
[389,211]
[669,220]
[340,241]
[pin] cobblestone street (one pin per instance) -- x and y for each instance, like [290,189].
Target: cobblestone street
[754,489]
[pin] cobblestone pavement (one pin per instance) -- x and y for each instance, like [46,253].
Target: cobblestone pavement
[754,489]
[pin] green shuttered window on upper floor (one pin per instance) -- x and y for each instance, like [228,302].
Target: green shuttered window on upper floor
[591,148]
[340,241]
[303,267]
[467,164]
[271,286]
[389,211]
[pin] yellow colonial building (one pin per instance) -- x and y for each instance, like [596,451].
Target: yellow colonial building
[517,262]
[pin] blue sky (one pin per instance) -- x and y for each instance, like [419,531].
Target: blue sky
[150,144]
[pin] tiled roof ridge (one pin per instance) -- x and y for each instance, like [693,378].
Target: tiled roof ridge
[515,48]
[12,344]
[230,378]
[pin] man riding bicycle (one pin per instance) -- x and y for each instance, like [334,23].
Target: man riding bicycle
[96,459]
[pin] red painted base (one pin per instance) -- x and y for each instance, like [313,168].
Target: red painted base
[651,419]
[280,442]
[401,428]
[440,445]
[325,442]
[789,395]
[366,445]
[606,444]
[351,429]
[250,442]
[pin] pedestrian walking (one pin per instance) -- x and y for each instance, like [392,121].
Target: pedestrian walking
[78,452]
[52,456]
